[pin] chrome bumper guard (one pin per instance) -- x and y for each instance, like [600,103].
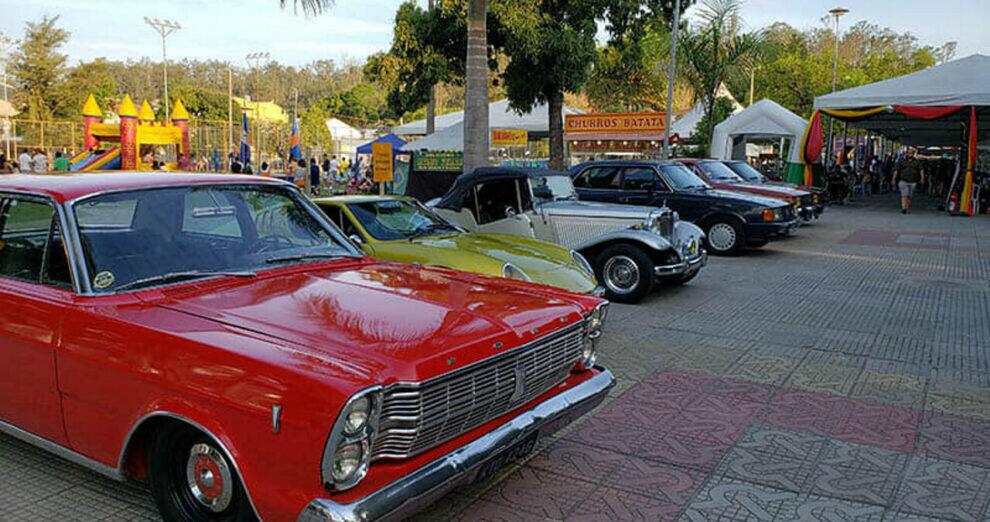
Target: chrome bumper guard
[686,266]
[422,487]
[599,291]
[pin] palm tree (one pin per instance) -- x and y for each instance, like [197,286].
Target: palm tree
[310,7]
[476,87]
[715,50]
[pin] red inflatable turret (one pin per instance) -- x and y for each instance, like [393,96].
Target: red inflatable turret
[91,114]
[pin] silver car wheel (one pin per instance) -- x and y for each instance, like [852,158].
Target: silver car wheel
[621,274]
[722,237]
[209,477]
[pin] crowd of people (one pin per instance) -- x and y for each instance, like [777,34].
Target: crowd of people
[329,176]
[36,161]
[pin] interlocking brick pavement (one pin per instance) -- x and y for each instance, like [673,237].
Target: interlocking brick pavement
[843,374]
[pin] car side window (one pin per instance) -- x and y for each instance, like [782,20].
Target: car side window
[598,178]
[494,198]
[639,178]
[31,243]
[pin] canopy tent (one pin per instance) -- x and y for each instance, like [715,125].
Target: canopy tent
[941,105]
[450,139]
[390,138]
[684,126]
[761,120]
[500,116]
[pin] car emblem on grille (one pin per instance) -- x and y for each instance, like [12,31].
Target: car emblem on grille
[520,389]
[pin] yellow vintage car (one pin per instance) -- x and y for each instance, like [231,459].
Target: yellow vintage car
[398,228]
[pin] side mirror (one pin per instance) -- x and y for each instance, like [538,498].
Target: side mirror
[356,238]
[510,212]
[542,193]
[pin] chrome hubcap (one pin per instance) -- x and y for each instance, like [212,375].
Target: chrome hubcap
[209,478]
[722,236]
[621,274]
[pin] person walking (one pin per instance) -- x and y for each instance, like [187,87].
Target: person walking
[907,175]
[61,162]
[314,177]
[301,172]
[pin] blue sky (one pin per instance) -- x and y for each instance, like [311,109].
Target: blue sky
[229,29]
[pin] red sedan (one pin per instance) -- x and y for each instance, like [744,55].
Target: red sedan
[718,175]
[218,338]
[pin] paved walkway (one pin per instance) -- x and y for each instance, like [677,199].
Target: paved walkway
[840,375]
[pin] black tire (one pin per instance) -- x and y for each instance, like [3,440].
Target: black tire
[170,453]
[730,237]
[629,274]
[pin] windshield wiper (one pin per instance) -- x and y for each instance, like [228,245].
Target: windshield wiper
[180,276]
[302,257]
[432,227]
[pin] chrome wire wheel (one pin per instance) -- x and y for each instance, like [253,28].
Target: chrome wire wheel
[722,237]
[621,274]
[208,477]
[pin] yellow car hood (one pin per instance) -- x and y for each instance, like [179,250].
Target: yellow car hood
[543,262]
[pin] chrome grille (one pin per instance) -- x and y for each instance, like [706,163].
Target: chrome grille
[417,417]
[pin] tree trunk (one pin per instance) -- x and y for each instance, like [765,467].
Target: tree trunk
[476,89]
[431,106]
[555,109]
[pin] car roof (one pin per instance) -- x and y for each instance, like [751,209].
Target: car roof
[67,187]
[634,163]
[462,185]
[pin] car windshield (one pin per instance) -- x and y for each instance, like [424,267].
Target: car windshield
[552,188]
[394,219]
[680,177]
[718,172]
[746,172]
[151,237]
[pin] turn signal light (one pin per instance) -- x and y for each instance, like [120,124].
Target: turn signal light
[767,214]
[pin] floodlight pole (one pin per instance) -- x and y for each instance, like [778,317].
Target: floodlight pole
[6,43]
[164,28]
[836,13]
[670,78]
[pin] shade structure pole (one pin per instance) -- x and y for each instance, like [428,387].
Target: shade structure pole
[670,78]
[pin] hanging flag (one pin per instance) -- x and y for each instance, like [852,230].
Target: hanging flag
[245,153]
[811,146]
[295,149]
[966,201]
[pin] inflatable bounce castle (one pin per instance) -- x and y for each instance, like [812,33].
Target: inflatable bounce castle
[126,145]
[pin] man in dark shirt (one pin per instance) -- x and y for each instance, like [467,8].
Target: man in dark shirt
[907,174]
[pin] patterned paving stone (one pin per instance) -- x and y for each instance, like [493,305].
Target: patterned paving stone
[682,450]
[725,498]
[673,484]
[878,425]
[955,438]
[762,368]
[599,432]
[485,511]
[890,388]
[823,378]
[859,473]
[580,461]
[741,390]
[539,492]
[776,458]
[803,411]
[959,399]
[815,508]
[944,489]
[705,360]
[608,503]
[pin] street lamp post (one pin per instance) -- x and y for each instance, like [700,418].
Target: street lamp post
[164,28]
[670,78]
[836,14]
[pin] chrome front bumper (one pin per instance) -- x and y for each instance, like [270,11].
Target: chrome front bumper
[684,267]
[427,484]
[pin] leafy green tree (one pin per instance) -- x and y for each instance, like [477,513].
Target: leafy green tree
[715,50]
[205,104]
[87,78]
[38,68]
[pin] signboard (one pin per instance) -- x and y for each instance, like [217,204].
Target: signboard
[381,162]
[435,161]
[509,138]
[592,146]
[622,122]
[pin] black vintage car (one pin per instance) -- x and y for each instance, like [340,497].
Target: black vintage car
[731,220]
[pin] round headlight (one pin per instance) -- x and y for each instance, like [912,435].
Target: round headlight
[347,462]
[357,415]
[509,271]
[589,354]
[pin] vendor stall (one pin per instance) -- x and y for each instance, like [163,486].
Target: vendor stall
[947,105]
[764,120]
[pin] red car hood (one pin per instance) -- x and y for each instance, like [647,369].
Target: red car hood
[767,190]
[394,321]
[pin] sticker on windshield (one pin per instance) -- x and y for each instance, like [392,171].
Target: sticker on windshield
[103,280]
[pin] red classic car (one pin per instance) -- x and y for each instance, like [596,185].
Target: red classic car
[218,338]
[718,175]
[751,175]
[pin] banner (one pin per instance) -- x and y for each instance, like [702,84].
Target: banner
[619,122]
[509,138]
[438,161]
[811,146]
[381,162]
[966,201]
